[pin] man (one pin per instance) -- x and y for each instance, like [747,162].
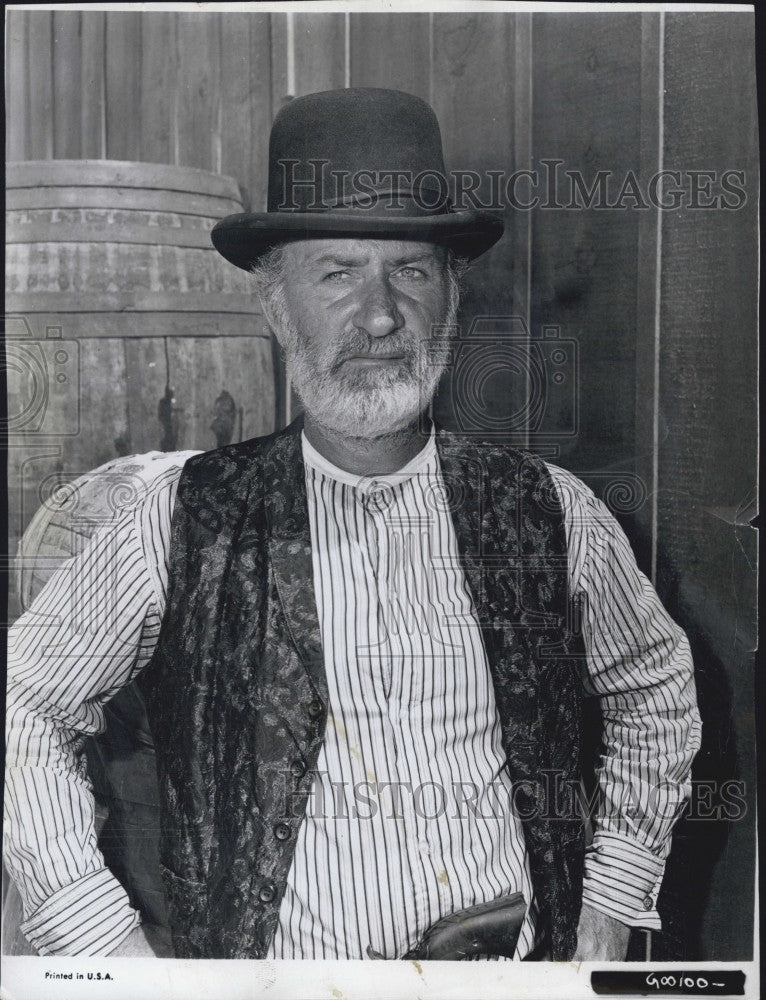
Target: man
[355,634]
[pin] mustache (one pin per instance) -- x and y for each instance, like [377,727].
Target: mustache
[394,343]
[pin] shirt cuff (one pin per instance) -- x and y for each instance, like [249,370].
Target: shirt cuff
[622,879]
[88,917]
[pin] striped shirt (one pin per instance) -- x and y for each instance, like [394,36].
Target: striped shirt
[392,838]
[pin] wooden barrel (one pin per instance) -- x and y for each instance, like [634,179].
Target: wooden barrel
[126,331]
[119,249]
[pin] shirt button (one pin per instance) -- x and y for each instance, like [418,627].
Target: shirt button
[648,903]
[297,769]
[315,708]
[282,831]
[267,893]
[378,497]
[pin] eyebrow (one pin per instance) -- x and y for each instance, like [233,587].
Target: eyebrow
[425,255]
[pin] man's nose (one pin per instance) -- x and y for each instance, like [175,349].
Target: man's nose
[377,312]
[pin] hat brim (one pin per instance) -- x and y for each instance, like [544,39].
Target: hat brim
[243,238]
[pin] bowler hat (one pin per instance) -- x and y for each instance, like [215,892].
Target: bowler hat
[360,162]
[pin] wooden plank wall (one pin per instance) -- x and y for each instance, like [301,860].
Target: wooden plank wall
[586,111]
[661,305]
[707,366]
[125,85]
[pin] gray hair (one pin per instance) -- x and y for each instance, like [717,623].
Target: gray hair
[269,271]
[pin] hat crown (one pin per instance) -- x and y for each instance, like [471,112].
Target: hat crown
[359,163]
[324,147]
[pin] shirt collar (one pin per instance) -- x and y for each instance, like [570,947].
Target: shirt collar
[421,462]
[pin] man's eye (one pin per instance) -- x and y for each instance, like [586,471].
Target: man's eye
[335,276]
[411,272]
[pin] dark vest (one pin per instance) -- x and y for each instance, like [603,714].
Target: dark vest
[237,692]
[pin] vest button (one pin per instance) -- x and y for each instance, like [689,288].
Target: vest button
[267,893]
[648,902]
[297,769]
[315,708]
[282,831]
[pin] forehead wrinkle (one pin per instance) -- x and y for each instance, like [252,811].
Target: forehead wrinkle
[349,257]
[341,259]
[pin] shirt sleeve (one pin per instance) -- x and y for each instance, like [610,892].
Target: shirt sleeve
[639,666]
[88,633]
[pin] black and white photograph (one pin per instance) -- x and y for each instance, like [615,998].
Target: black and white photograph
[381,437]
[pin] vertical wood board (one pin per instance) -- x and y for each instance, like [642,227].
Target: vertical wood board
[475,109]
[158,83]
[67,68]
[260,109]
[586,112]
[123,85]
[319,52]
[199,94]
[39,142]
[93,85]
[648,263]
[16,94]
[708,441]
[391,50]
[237,136]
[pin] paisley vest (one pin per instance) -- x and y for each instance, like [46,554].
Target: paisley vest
[237,693]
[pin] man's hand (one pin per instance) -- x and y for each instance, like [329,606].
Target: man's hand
[600,937]
[146,940]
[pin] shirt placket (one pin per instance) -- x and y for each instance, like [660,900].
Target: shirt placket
[401,645]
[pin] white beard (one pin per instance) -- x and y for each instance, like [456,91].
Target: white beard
[368,402]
